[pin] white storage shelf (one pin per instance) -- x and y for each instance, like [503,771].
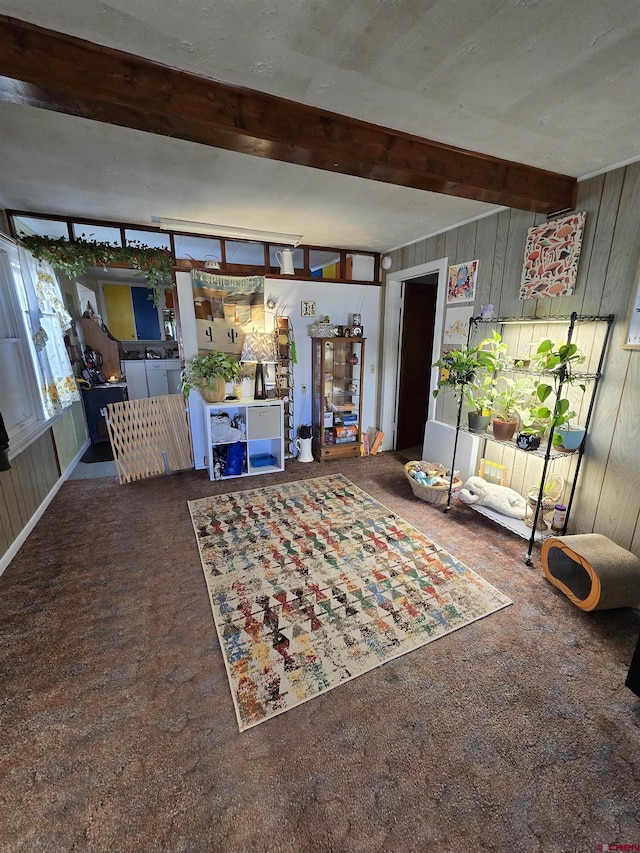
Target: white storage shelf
[263,439]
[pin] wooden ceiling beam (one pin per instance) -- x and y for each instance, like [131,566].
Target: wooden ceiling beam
[54,71]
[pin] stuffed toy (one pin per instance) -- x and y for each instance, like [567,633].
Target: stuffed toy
[501,499]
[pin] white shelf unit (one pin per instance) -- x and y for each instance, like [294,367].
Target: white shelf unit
[263,435]
[525,330]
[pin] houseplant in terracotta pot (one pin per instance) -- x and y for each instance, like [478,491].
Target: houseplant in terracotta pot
[209,373]
[511,398]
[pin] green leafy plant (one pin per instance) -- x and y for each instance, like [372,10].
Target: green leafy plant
[480,394]
[513,397]
[558,362]
[469,371]
[209,367]
[73,257]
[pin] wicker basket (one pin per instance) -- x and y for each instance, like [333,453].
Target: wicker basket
[431,494]
[213,392]
[551,493]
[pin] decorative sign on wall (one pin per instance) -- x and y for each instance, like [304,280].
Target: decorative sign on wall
[551,256]
[462,282]
[456,324]
[227,308]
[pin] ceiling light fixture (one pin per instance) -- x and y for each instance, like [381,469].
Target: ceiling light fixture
[226,231]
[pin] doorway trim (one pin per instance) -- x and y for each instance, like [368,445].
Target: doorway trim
[393,308]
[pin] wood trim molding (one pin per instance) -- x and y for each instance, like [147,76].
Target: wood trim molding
[50,70]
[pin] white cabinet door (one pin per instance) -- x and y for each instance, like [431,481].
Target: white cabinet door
[174,377]
[136,379]
[157,382]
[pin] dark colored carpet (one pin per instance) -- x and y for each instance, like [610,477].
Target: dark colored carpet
[100,452]
[118,731]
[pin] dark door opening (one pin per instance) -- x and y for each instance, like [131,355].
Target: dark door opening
[416,347]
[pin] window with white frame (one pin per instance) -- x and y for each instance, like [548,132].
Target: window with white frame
[35,386]
[20,402]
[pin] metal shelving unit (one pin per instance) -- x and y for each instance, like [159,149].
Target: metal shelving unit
[547,453]
[284,369]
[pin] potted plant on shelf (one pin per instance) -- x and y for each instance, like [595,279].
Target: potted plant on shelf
[558,362]
[208,373]
[534,421]
[470,373]
[510,403]
[528,438]
[480,396]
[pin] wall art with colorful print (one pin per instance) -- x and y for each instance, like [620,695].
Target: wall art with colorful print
[551,256]
[462,282]
[456,324]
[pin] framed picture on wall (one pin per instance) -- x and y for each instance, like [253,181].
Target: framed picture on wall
[551,257]
[461,286]
[456,324]
[632,327]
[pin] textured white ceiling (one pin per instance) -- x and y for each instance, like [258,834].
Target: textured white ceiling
[551,83]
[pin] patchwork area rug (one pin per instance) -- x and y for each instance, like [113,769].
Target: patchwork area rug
[313,583]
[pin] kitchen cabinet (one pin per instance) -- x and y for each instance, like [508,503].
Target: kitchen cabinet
[95,401]
[260,435]
[136,376]
[152,377]
[336,396]
[130,314]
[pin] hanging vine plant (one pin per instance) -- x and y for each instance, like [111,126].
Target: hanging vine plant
[73,257]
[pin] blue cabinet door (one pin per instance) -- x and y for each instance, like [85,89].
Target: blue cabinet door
[146,315]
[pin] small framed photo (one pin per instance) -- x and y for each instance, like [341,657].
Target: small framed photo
[357,331]
[347,331]
[308,309]
[462,282]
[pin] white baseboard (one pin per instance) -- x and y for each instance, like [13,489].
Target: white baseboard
[8,556]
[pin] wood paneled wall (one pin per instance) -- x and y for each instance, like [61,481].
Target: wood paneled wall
[35,472]
[23,488]
[608,498]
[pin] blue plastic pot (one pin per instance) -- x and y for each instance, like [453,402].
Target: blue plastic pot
[571,438]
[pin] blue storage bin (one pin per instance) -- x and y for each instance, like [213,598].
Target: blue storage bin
[261,460]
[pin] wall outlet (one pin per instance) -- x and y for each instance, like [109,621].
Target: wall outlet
[373,368]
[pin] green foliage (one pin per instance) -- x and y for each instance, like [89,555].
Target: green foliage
[512,397]
[480,394]
[73,257]
[469,371]
[558,361]
[210,366]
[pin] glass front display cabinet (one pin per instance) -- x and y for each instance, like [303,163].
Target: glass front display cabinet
[337,383]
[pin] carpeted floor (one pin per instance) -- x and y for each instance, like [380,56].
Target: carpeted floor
[117,733]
